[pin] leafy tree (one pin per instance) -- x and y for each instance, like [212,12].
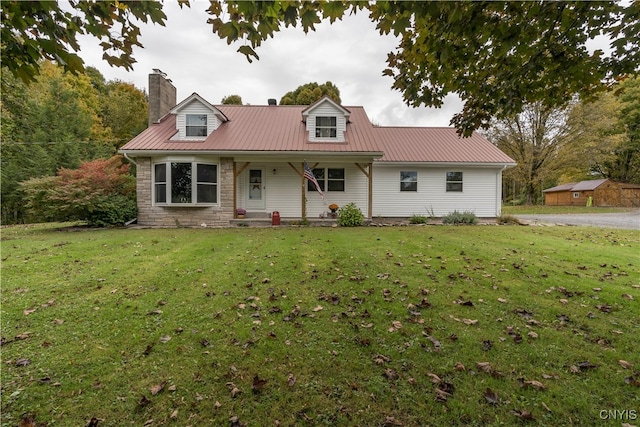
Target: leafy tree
[497,56]
[101,192]
[59,121]
[532,138]
[309,93]
[125,110]
[605,140]
[33,31]
[232,100]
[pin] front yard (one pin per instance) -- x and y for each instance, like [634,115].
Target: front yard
[417,325]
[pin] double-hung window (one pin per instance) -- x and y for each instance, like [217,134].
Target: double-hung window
[408,181]
[196,124]
[454,181]
[185,183]
[326,127]
[330,179]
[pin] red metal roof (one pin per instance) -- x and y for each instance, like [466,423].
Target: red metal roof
[281,129]
[260,128]
[435,145]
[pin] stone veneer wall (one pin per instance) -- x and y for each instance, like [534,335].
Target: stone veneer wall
[164,216]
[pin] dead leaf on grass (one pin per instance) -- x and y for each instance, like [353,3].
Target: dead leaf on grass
[390,374]
[258,384]
[143,401]
[29,311]
[523,414]
[532,383]
[158,388]
[165,339]
[625,364]
[22,362]
[291,380]
[491,397]
[634,379]
[459,367]
[233,389]
[391,421]
[27,420]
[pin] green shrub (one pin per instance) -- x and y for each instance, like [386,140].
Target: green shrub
[418,219]
[455,217]
[115,209]
[350,216]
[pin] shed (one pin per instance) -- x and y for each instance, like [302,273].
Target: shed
[603,192]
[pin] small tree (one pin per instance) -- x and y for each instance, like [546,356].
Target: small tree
[101,192]
[232,100]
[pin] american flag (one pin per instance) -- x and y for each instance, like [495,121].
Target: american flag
[308,173]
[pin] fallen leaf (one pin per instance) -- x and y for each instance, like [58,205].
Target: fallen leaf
[491,397]
[470,321]
[523,414]
[233,389]
[625,364]
[143,401]
[459,367]
[291,380]
[390,421]
[532,383]
[434,378]
[627,296]
[502,300]
[154,312]
[27,421]
[165,339]
[158,388]
[258,384]
[174,414]
[390,374]
[532,335]
[318,308]
[29,311]
[22,362]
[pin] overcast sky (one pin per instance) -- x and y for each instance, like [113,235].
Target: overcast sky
[349,53]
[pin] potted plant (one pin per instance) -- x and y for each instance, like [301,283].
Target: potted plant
[333,208]
[241,212]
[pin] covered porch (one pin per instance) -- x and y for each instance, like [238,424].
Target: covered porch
[263,186]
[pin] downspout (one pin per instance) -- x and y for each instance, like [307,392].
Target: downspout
[126,156]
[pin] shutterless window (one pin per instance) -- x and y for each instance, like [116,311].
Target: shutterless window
[174,183]
[576,195]
[335,179]
[331,179]
[454,181]
[408,181]
[196,125]
[319,174]
[326,127]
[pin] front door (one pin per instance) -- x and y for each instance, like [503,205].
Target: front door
[256,190]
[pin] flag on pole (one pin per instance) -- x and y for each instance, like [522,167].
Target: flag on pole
[308,174]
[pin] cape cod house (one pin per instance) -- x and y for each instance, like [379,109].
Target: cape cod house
[197,163]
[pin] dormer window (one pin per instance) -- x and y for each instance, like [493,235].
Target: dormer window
[196,124]
[326,127]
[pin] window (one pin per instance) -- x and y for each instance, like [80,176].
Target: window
[174,183]
[196,125]
[454,181]
[576,195]
[326,127]
[408,181]
[330,179]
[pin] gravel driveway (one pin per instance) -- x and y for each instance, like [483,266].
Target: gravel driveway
[627,220]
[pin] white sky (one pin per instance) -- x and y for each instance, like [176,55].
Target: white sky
[349,53]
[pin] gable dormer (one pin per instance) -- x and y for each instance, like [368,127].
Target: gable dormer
[326,121]
[196,118]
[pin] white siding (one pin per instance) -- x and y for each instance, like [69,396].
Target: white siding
[326,109]
[480,195]
[284,190]
[195,107]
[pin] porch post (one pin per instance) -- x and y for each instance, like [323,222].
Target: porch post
[235,189]
[304,197]
[370,207]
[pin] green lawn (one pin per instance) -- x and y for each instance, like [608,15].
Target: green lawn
[370,326]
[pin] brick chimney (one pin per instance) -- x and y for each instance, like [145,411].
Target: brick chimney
[162,95]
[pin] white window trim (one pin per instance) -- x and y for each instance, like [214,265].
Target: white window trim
[447,182]
[416,181]
[324,182]
[194,183]
[576,194]
[317,127]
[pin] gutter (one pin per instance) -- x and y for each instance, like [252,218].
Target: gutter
[126,156]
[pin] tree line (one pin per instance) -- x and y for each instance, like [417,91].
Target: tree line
[60,121]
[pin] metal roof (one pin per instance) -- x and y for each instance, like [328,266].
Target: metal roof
[438,145]
[280,129]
